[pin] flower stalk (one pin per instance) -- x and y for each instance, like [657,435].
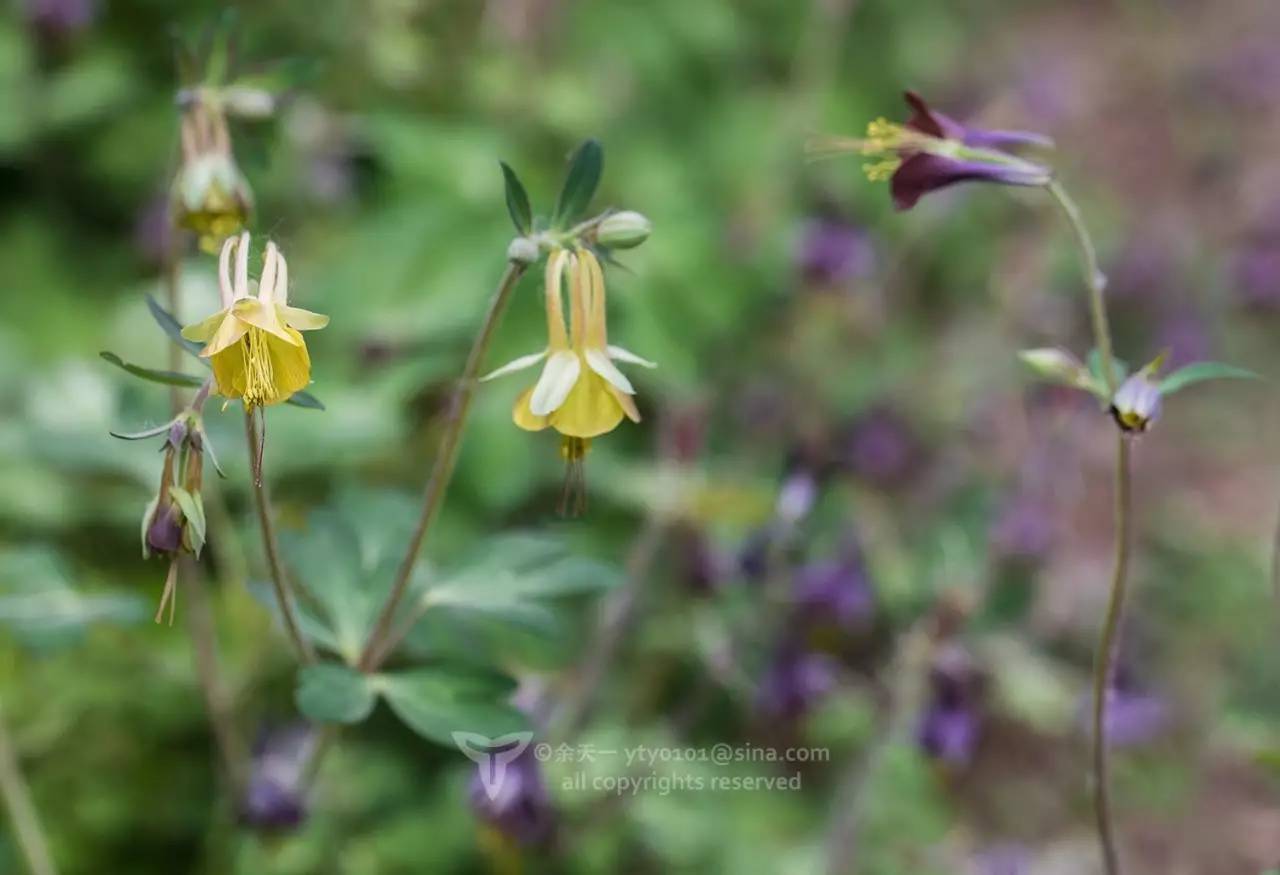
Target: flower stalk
[437,485]
[1104,659]
[271,546]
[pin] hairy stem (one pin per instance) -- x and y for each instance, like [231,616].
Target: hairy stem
[1103,662]
[442,471]
[279,582]
[22,811]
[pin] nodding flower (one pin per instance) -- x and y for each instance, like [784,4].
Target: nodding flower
[581,393]
[254,343]
[210,195]
[932,151]
[1138,402]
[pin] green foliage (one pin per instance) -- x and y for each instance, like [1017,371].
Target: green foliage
[168,378]
[580,183]
[331,693]
[517,200]
[438,701]
[1198,372]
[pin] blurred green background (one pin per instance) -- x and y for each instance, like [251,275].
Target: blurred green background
[839,447]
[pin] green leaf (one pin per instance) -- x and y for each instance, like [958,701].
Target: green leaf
[1201,371]
[517,200]
[333,693]
[306,400]
[437,702]
[168,378]
[170,326]
[192,507]
[580,183]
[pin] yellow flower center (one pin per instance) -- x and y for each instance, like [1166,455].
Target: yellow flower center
[259,384]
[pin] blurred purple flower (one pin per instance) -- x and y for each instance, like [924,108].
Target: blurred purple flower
[796,497]
[951,725]
[753,558]
[60,18]
[831,253]
[1024,529]
[274,798]
[1257,274]
[1184,335]
[835,590]
[1133,718]
[793,683]
[1003,860]
[521,809]
[880,448]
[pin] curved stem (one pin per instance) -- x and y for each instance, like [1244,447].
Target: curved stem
[1103,662]
[1094,278]
[284,597]
[442,471]
[22,811]
[1105,659]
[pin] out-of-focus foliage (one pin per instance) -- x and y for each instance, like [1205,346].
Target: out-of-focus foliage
[839,443]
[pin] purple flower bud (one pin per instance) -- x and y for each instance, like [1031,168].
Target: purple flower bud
[949,734]
[521,808]
[274,797]
[164,531]
[831,253]
[793,683]
[1133,717]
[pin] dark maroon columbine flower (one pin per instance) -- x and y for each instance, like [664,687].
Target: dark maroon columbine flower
[932,151]
[520,808]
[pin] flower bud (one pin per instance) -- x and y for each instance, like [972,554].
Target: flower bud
[246,102]
[210,195]
[624,230]
[173,522]
[1056,365]
[1137,402]
[522,251]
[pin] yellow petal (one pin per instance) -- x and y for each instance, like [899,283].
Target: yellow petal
[227,335]
[229,371]
[628,404]
[303,320]
[525,418]
[253,312]
[202,331]
[290,365]
[590,410]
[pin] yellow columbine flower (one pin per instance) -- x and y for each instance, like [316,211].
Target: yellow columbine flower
[581,392]
[254,344]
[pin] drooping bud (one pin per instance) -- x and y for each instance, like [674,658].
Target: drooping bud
[624,230]
[210,195]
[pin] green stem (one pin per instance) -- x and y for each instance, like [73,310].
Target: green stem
[375,648]
[22,811]
[1105,658]
[271,546]
[1094,278]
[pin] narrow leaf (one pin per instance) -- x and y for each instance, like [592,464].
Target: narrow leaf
[168,378]
[170,326]
[517,200]
[305,399]
[333,693]
[580,183]
[142,435]
[1201,371]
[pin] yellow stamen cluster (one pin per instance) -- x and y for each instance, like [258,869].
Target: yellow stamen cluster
[259,384]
